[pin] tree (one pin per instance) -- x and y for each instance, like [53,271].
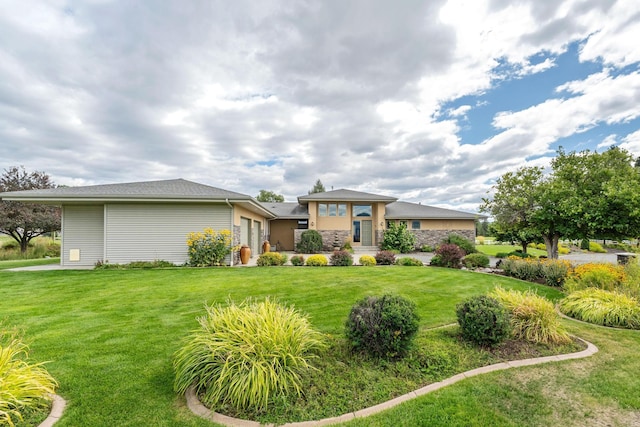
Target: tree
[24,221]
[513,204]
[269,196]
[318,188]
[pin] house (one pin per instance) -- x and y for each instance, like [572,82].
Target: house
[146,221]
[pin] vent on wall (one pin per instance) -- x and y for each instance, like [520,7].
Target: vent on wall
[74,254]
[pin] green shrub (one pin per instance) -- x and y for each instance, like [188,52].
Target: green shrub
[397,237]
[297,260]
[23,385]
[466,245]
[602,308]
[310,242]
[317,261]
[382,326]
[448,255]
[520,254]
[533,318]
[541,246]
[409,262]
[347,247]
[271,258]
[209,248]
[483,320]
[134,265]
[555,272]
[245,355]
[341,259]
[427,248]
[11,245]
[476,260]
[502,255]
[385,258]
[584,244]
[596,247]
[367,260]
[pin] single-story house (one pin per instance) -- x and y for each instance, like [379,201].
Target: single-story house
[146,221]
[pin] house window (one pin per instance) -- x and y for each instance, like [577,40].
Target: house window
[342,209]
[322,209]
[415,225]
[362,210]
[303,224]
[333,209]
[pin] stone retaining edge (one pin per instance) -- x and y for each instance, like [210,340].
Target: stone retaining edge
[57,408]
[202,411]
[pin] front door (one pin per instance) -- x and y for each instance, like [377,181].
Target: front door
[367,233]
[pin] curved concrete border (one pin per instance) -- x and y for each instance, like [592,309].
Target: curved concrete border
[202,411]
[57,408]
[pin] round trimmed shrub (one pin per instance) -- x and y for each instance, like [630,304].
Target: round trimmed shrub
[483,320]
[383,327]
[317,261]
[367,260]
[297,260]
[310,242]
[448,255]
[476,260]
[271,258]
[245,355]
[385,258]
[341,259]
[409,262]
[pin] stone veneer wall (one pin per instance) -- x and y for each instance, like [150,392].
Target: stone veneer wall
[236,242]
[435,237]
[328,236]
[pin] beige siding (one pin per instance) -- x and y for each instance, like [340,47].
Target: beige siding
[82,233]
[148,232]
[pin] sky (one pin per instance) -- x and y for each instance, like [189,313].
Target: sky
[426,101]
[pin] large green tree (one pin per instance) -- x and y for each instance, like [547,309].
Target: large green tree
[266,196]
[24,221]
[513,204]
[588,194]
[317,188]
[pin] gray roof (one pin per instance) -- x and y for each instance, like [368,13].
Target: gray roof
[287,210]
[406,210]
[168,189]
[345,195]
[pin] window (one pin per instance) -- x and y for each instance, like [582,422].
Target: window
[415,225]
[342,209]
[322,209]
[332,209]
[362,210]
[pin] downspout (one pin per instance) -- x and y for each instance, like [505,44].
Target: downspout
[232,233]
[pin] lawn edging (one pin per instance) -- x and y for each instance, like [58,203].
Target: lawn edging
[202,411]
[57,408]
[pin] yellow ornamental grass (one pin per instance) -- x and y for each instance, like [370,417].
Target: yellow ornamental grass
[533,318]
[596,275]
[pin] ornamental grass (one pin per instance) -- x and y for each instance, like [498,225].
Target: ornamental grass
[247,354]
[602,307]
[533,318]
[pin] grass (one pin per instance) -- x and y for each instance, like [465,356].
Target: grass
[4,265]
[111,334]
[493,250]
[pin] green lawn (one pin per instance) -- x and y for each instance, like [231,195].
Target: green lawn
[492,250]
[110,336]
[28,262]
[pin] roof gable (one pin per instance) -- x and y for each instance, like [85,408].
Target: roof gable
[345,195]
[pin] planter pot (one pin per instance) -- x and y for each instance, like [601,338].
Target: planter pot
[245,254]
[266,247]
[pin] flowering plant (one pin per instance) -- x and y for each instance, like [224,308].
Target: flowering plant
[209,248]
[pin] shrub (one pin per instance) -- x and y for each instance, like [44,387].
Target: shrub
[297,260]
[382,326]
[480,240]
[310,242]
[271,258]
[541,246]
[476,260]
[448,255]
[134,265]
[244,355]
[596,247]
[367,260]
[563,250]
[584,244]
[341,259]
[23,385]
[209,248]
[533,318]
[347,247]
[555,271]
[520,254]
[466,245]
[602,308]
[502,255]
[399,238]
[426,248]
[595,275]
[483,320]
[317,261]
[409,262]
[385,258]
